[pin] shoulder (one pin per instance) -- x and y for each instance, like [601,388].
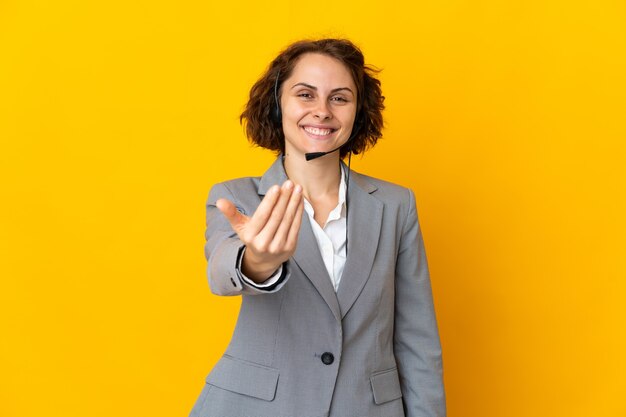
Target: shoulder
[399,201]
[385,190]
[234,188]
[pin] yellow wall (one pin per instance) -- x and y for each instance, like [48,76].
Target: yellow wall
[508,119]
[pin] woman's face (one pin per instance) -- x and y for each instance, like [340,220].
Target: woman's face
[318,103]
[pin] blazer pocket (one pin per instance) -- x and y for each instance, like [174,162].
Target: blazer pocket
[386,386]
[244,377]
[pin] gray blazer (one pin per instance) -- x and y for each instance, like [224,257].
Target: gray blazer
[300,349]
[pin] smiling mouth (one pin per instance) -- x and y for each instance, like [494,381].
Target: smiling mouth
[317,131]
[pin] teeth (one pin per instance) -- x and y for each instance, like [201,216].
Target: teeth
[318,132]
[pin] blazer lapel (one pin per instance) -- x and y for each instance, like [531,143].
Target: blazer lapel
[309,259]
[307,255]
[365,214]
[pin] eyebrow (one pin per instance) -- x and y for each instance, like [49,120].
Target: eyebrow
[334,90]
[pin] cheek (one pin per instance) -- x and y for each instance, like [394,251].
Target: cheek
[294,112]
[348,118]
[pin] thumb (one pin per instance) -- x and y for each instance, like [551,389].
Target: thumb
[234,217]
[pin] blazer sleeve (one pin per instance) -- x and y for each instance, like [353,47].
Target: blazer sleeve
[416,338]
[223,250]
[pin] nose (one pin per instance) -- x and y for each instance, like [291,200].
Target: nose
[322,111]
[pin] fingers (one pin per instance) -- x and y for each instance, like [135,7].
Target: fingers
[282,232]
[273,229]
[278,214]
[234,217]
[263,212]
[292,237]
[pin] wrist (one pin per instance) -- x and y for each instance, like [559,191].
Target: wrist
[257,271]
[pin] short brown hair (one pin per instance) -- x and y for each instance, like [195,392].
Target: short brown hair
[263,128]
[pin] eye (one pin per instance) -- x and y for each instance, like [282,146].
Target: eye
[305,95]
[340,99]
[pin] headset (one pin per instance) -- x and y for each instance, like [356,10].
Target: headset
[277,118]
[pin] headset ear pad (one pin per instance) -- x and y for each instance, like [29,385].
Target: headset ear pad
[359,122]
[356,127]
[277,115]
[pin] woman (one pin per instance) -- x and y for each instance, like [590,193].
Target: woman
[337,316]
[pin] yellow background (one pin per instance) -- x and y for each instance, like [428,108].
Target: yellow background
[507,118]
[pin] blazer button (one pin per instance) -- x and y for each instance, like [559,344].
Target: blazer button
[233,281]
[327,358]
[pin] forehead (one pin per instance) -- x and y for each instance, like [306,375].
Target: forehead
[320,70]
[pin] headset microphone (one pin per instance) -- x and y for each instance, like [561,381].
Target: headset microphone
[314,155]
[277,117]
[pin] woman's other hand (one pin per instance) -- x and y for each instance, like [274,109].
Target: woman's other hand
[271,234]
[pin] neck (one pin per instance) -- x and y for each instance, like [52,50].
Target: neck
[318,178]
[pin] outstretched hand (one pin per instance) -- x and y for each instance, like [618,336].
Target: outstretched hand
[271,234]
